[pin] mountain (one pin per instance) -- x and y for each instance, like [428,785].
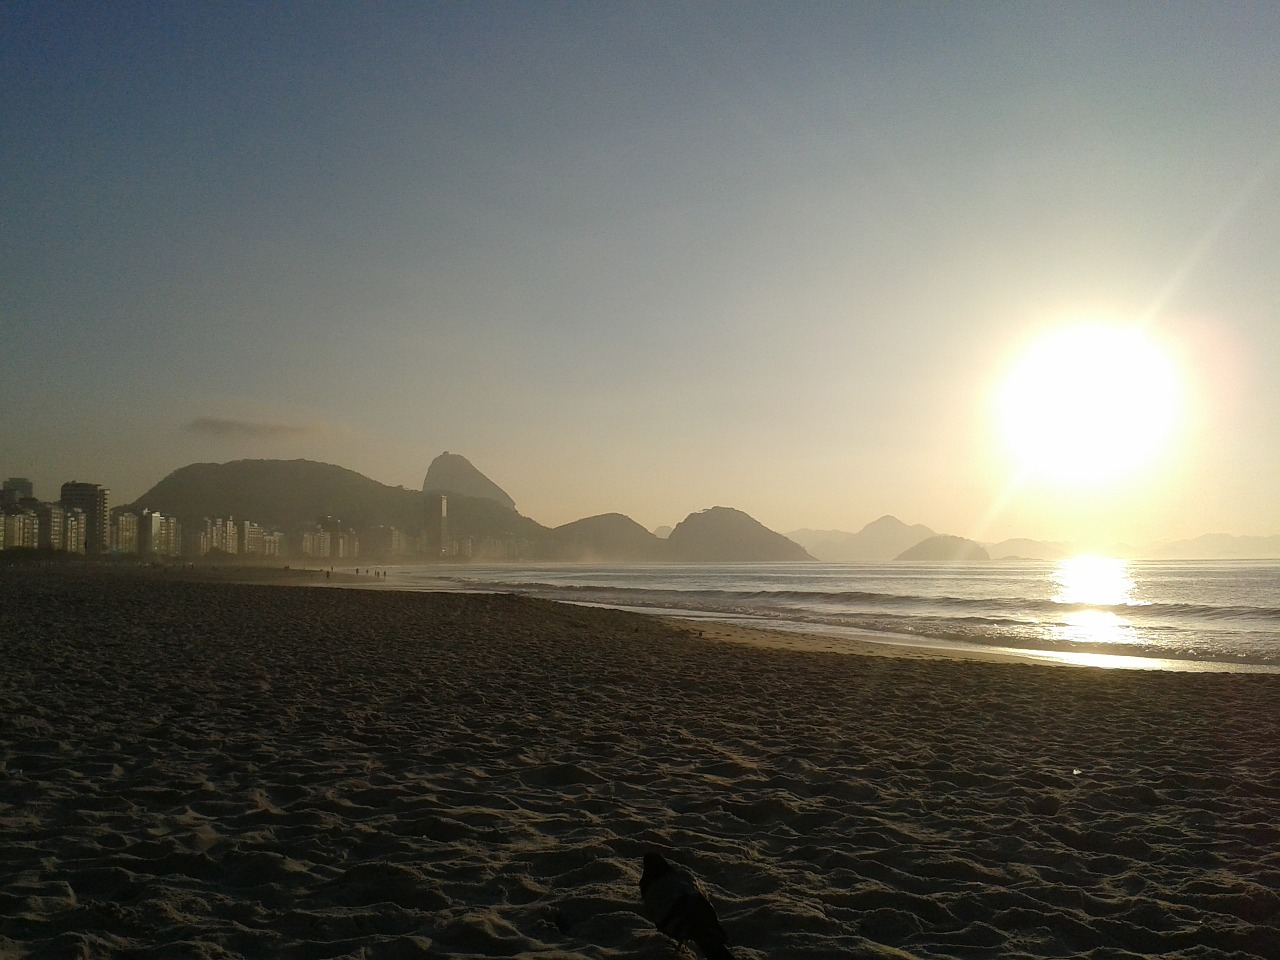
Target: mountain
[725,535]
[488,528]
[453,473]
[288,494]
[946,549]
[482,521]
[720,534]
[881,539]
[1219,546]
[282,494]
[610,536]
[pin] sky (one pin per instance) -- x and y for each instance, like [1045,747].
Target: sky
[643,258]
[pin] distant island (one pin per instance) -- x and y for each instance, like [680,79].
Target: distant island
[890,539]
[945,549]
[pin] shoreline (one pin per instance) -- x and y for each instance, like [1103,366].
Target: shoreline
[849,644]
[800,638]
[805,641]
[223,770]
[811,641]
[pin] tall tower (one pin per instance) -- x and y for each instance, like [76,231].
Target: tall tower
[444,524]
[93,500]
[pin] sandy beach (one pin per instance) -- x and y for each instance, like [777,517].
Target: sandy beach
[196,769]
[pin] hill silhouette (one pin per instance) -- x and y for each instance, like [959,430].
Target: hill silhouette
[281,493]
[881,539]
[726,535]
[1221,545]
[610,536]
[946,549]
[454,473]
[288,494]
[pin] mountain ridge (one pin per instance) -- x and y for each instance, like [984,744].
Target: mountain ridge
[945,549]
[725,535]
[286,493]
[607,537]
[454,473]
[881,539]
[291,494]
[279,493]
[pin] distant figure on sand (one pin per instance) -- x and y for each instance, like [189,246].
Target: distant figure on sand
[678,906]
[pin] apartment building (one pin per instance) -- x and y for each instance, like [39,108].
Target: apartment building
[94,501]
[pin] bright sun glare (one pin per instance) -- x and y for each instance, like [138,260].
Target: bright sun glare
[1097,586]
[1089,404]
[1097,581]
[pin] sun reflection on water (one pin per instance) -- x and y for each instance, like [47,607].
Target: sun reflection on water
[1097,581]
[1093,583]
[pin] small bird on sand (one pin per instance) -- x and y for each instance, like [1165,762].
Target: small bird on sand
[678,906]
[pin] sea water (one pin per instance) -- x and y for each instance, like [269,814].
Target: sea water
[1170,615]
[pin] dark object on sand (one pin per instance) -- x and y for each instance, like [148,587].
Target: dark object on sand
[678,906]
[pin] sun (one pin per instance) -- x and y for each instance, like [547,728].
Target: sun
[1089,404]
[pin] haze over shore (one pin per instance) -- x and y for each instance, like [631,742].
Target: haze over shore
[290,492]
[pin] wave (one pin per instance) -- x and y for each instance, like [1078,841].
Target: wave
[1016,609]
[1177,620]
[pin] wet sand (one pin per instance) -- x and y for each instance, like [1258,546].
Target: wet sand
[219,769]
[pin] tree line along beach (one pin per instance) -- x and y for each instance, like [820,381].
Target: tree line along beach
[219,769]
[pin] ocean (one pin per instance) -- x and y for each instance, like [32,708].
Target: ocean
[1175,615]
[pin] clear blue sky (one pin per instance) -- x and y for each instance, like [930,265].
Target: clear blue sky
[638,257]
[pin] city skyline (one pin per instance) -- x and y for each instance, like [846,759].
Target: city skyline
[210,529]
[655,259]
